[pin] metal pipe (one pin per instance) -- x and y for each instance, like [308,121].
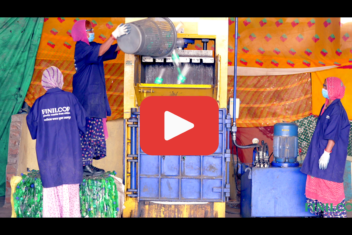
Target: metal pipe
[205,41]
[235,75]
[133,152]
[228,138]
[228,172]
[124,152]
[227,163]
[234,128]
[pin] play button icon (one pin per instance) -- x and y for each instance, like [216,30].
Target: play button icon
[175,125]
[179,125]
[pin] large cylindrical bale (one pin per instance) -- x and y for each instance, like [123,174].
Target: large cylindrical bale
[155,37]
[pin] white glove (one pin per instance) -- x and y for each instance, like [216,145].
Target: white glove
[324,160]
[122,29]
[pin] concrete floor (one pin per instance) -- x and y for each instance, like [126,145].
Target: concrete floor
[232,210]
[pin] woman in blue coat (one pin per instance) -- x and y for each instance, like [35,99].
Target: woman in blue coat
[326,156]
[55,121]
[90,89]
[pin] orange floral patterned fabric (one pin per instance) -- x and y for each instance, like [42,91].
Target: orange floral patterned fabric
[290,42]
[266,100]
[57,47]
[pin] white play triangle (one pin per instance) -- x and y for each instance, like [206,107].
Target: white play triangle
[174,125]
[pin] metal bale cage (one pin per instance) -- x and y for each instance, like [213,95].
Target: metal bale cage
[155,37]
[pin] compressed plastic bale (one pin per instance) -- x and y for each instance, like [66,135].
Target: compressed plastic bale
[13,182]
[28,196]
[99,196]
[121,194]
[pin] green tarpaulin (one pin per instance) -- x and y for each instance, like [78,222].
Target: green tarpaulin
[19,41]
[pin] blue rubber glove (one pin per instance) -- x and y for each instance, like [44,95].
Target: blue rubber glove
[324,160]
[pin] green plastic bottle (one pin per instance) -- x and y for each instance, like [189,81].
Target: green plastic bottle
[83,210]
[179,70]
[158,80]
[181,79]
[176,58]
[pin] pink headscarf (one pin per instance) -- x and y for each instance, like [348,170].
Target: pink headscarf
[52,78]
[336,90]
[79,32]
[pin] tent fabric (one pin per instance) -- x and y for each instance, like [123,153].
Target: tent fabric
[245,135]
[251,71]
[19,41]
[57,48]
[290,42]
[306,128]
[266,100]
[318,78]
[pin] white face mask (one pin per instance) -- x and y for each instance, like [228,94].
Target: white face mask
[325,93]
[91,37]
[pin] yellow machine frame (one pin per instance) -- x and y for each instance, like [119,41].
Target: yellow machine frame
[135,93]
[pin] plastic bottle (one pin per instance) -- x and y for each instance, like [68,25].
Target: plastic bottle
[175,57]
[83,210]
[158,80]
[181,79]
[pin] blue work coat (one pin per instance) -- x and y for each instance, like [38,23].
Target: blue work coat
[332,125]
[54,121]
[89,80]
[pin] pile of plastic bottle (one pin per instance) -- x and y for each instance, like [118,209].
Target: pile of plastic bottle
[98,196]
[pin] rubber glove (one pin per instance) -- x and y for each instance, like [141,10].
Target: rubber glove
[324,160]
[122,29]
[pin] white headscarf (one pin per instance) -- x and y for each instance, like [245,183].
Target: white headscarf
[52,78]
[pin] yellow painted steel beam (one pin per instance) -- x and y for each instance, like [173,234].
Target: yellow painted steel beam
[145,90]
[219,208]
[155,210]
[128,86]
[221,45]
[131,207]
[187,35]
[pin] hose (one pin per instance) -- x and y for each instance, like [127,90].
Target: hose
[235,168]
[244,146]
[270,156]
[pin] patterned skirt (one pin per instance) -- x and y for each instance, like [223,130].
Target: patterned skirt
[327,210]
[61,201]
[93,141]
[325,198]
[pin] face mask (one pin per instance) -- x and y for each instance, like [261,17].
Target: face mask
[91,37]
[325,93]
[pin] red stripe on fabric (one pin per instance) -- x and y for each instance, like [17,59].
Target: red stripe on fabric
[70,63]
[303,105]
[111,67]
[258,97]
[118,82]
[345,67]
[116,71]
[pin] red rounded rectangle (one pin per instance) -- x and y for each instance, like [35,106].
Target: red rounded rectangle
[201,138]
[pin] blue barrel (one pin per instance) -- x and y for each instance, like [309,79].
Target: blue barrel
[285,143]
